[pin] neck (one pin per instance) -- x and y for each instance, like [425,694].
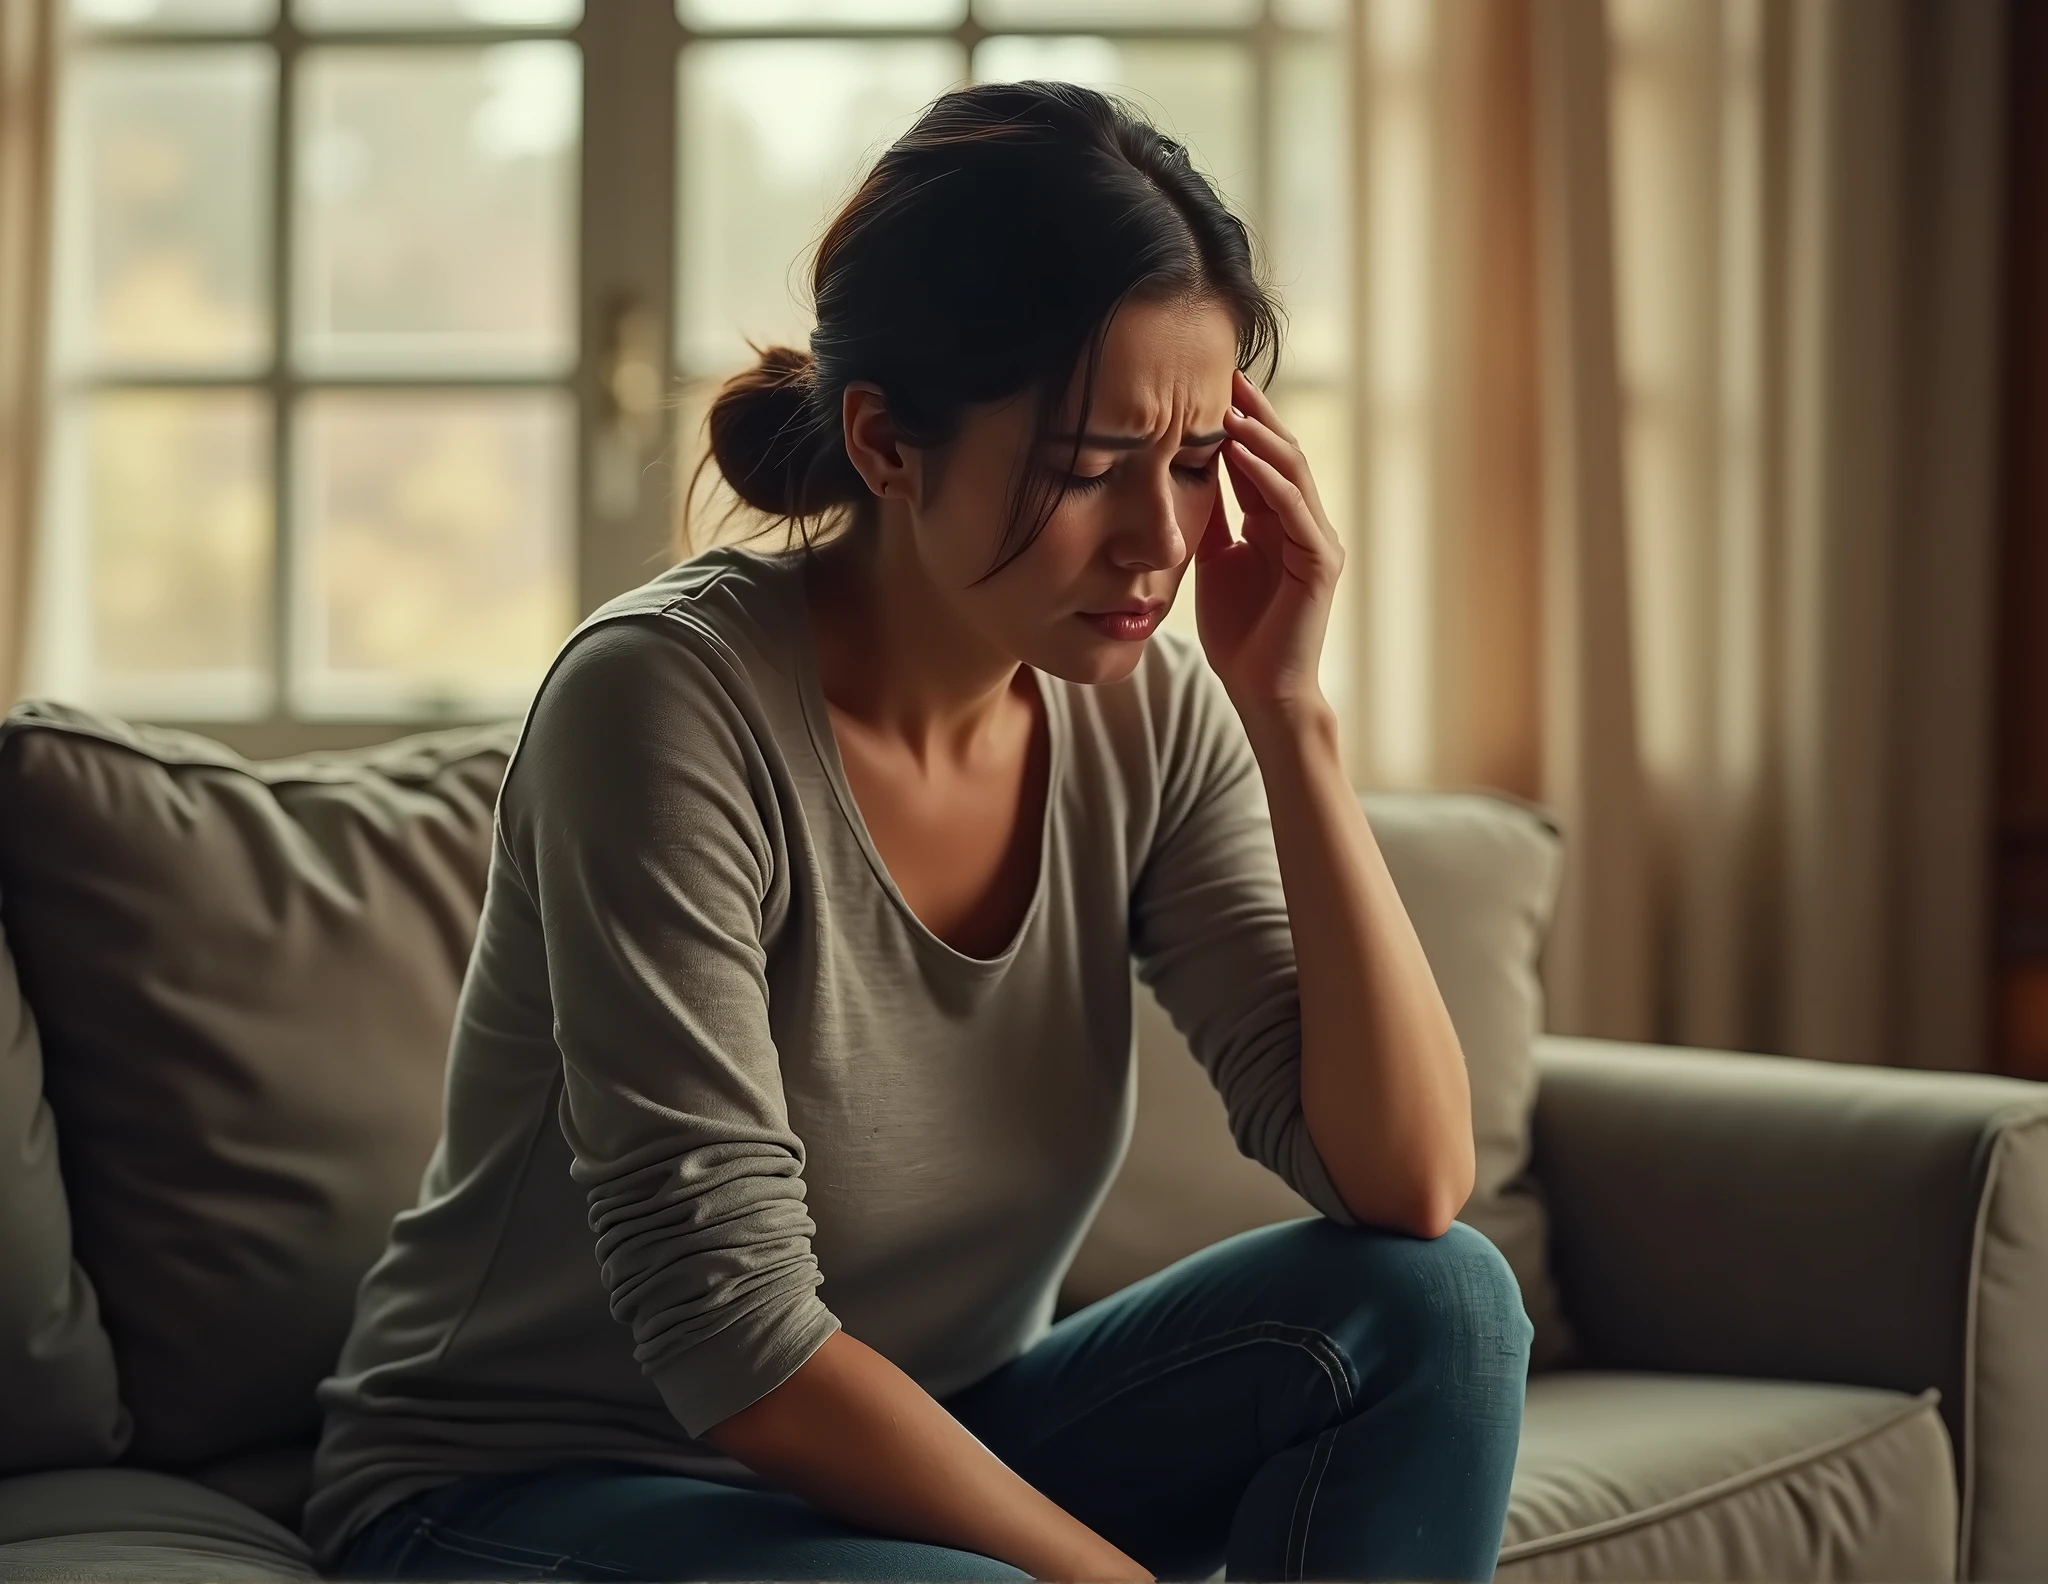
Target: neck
[892,654]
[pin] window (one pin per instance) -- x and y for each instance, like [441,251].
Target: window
[385,326]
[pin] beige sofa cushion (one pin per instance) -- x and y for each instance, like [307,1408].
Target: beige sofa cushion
[1477,873]
[1625,1476]
[120,1525]
[244,977]
[63,1404]
[1768,1216]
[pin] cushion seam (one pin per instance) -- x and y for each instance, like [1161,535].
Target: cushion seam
[1721,1490]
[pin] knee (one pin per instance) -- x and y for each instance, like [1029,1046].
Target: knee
[1480,1292]
[1448,1309]
[1474,1353]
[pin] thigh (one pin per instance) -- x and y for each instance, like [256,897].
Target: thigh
[1148,1414]
[613,1521]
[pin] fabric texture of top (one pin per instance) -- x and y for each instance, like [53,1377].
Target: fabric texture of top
[714,1091]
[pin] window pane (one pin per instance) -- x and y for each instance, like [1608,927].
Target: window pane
[436,13]
[163,210]
[821,13]
[157,598]
[774,134]
[1199,93]
[1309,230]
[1116,13]
[437,209]
[434,571]
[199,16]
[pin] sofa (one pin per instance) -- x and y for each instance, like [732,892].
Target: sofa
[1792,1318]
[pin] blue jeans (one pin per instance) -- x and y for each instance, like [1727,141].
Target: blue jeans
[1302,1401]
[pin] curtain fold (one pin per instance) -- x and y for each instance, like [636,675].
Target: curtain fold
[1599,969]
[1710,516]
[27,93]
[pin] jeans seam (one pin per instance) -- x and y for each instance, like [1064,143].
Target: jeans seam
[1327,1355]
[1296,1561]
[504,1553]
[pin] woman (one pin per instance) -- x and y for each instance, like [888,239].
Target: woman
[801,995]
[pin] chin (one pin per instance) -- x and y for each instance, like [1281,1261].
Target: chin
[1094,664]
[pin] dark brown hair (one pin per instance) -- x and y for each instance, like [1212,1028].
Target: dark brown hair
[983,256]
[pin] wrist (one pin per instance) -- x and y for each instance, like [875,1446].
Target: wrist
[1300,723]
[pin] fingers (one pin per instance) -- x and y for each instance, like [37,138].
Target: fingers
[1216,532]
[1266,533]
[1256,437]
[1250,498]
[1275,492]
[1278,450]
[1261,486]
[1246,396]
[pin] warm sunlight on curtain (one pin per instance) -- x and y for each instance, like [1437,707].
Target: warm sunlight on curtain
[26,70]
[1677,360]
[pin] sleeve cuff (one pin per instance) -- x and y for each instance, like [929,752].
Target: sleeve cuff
[1311,1178]
[733,1368]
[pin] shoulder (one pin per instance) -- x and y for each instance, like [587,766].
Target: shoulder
[678,684]
[710,634]
[729,604]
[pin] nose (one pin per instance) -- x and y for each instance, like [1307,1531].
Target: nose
[1150,540]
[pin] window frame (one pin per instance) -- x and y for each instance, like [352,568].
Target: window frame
[627,203]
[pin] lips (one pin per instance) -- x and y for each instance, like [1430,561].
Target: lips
[1131,623]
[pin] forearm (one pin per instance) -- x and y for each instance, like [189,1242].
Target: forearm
[852,1434]
[1383,1085]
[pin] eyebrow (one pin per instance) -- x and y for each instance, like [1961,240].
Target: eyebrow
[1110,442]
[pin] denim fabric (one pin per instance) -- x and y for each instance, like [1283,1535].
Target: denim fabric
[1302,1401]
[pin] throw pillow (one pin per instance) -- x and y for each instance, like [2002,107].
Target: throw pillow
[244,975]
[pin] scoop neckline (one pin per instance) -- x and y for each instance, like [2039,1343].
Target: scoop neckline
[825,745]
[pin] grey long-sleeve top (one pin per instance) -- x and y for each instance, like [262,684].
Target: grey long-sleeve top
[715,1092]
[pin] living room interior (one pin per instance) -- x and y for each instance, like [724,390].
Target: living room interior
[1676,376]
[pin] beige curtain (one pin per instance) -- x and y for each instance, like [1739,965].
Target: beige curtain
[27,66]
[1706,517]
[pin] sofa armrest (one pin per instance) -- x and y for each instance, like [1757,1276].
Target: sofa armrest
[1714,1213]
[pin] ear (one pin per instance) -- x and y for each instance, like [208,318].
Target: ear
[873,445]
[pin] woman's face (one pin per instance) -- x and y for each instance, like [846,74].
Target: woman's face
[1137,497]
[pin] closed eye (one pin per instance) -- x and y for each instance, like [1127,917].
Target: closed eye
[1084,483]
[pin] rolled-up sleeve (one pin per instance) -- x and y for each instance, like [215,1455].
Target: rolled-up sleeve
[639,813]
[1209,927]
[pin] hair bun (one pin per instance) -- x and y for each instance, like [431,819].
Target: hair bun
[774,443]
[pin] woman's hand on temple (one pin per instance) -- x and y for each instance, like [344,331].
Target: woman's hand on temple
[1262,603]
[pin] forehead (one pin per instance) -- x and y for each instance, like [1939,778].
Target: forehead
[1164,362]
